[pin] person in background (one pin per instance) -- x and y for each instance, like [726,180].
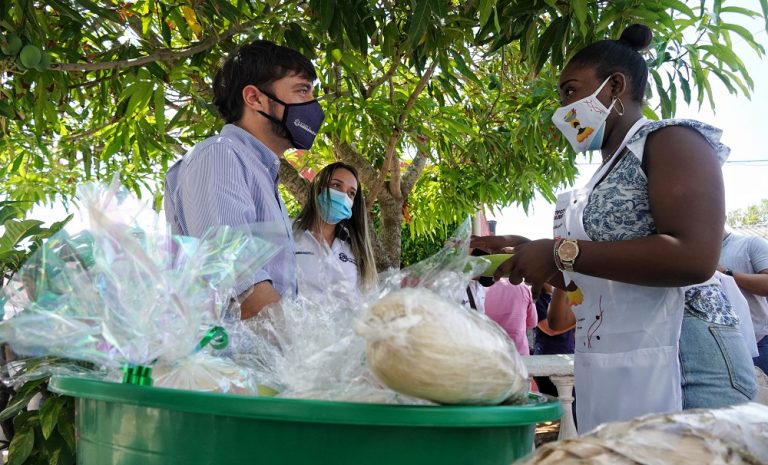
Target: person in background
[511,306]
[333,248]
[745,259]
[264,93]
[654,331]
[553,339]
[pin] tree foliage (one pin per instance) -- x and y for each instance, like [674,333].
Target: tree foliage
[442,105]
[752,215]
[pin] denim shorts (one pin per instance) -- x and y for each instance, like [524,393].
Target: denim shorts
[715,365]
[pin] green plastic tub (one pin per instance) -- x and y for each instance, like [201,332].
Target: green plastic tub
[121,424]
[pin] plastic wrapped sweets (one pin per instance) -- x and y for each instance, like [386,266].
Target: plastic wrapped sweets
[729,436]
[421,342]
[128,297]
[400,343]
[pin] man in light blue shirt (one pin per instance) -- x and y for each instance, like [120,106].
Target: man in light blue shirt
[264,93]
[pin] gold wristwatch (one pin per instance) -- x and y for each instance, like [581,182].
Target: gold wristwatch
[567,253]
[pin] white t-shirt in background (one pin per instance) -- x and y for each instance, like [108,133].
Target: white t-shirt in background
[749,254]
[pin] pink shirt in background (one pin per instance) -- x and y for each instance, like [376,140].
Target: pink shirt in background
[512,307]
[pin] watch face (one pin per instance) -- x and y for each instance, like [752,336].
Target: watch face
[568,251]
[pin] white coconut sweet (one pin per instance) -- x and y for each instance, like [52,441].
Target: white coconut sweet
[424,345]
[730,436]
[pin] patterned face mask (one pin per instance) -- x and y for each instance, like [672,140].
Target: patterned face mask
[583,121]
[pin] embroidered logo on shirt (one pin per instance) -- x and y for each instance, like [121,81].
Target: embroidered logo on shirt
[346,258]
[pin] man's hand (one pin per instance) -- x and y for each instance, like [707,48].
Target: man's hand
[261,295]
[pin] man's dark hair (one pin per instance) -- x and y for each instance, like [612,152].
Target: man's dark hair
[259,63]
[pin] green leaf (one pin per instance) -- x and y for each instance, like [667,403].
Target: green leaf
[159,98]
[739,10]
[16,231]
[579,8]
[461,65]
[49,415]
[685,87]
[17,163]
[419,23]
[764,7]
[485,9]
[21,447]
[680,6]
[725,54]
[545,44]
[327,11]
[100,11]
[66,424]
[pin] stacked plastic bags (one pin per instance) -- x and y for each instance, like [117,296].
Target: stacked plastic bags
[127,297]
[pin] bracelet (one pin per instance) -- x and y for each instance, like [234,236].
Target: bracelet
[558,263]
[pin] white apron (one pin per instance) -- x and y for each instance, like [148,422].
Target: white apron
[626,357]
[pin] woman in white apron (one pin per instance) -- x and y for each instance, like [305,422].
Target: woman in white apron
[334,257]
[635,241]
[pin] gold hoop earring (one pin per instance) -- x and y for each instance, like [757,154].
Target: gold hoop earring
[618,101]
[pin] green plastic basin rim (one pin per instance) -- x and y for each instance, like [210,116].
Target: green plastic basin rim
[307,411]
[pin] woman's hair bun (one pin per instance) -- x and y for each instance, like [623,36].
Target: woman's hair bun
[637,36]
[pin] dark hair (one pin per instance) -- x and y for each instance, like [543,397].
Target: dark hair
[259,63]
[356,228]
[619,56]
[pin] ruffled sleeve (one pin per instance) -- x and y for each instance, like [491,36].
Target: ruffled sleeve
[711,133]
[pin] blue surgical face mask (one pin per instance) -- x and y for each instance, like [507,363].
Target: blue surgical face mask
[335,206]
[301,120]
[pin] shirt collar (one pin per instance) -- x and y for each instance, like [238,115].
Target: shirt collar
[263,153]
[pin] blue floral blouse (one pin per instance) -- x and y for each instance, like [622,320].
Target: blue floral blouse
[619,209]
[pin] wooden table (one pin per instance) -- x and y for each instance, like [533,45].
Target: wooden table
[559,368]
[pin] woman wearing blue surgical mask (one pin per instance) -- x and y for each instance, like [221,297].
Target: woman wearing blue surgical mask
[640,242]
[334,256]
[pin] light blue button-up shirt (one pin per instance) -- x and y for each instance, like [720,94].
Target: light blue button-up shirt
[231,179]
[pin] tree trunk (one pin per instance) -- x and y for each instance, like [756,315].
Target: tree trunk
[390,234]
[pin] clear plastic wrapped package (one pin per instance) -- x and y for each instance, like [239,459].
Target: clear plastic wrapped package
[733,435]
[424,345]
[421,342]
[307,349]
[124,294]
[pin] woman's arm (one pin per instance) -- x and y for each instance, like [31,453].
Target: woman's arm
[685,187]
[560,317]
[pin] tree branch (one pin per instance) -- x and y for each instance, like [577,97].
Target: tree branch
[347,153]
[164,54]
[89,132]
[394,187]
[294,181]
[413,172]
[385,77]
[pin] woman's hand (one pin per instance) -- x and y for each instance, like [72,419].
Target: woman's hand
[532,262]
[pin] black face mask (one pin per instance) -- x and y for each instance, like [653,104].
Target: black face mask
[300,120]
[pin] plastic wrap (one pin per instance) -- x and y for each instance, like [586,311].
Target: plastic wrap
[307,349]
[424,345]
[734,435]
[421,342]
[320,347]
[124,292]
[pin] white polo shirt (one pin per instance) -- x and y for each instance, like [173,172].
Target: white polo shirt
[324,271]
